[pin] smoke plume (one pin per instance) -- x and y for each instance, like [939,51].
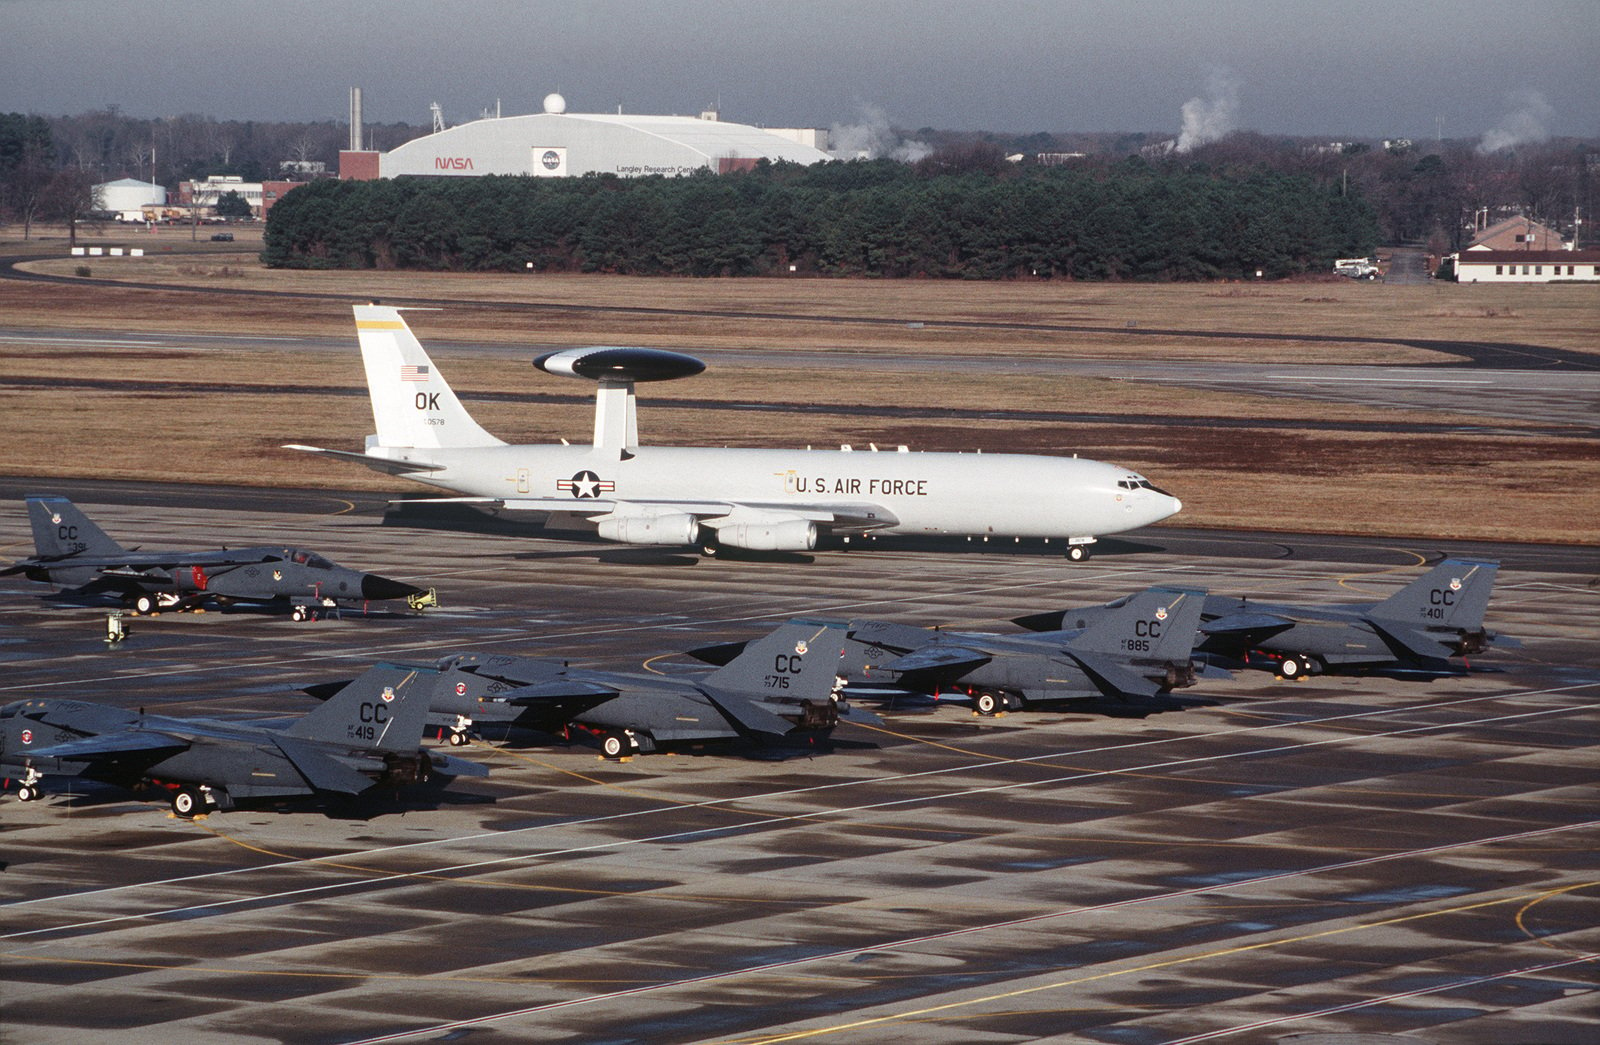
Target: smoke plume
[874,139]
[1528,122]
[1208,119]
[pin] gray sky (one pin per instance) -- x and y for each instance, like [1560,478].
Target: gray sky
[1369,68]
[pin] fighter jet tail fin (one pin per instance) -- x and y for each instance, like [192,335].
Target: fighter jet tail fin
[412,404]
[1454,595]
[1156,624]
[384,709]
[60,529]
[797,661]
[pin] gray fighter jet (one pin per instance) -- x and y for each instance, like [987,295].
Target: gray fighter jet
[72,552]
[1418,628]
[367,736]
[780,691]
[1136,652]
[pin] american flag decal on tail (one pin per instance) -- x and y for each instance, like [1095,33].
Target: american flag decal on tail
[410,372]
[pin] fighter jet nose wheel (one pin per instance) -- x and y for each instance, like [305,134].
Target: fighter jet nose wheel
[1294,666]
[27,794]
[188,803]
[986,703]
[1078,553]
[459,739]
[614,745]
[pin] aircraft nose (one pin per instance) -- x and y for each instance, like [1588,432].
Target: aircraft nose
[378,588]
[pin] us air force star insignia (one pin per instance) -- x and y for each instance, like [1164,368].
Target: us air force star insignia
[585,485]
[1455,583]
[388,694]
[1161,614]
[801,647]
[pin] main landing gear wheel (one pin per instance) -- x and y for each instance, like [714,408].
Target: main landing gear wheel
[614,745]
[987,703]
[1078,553]
[459,738]
[27,794]
[144,604]
[1295,666]
[189,803]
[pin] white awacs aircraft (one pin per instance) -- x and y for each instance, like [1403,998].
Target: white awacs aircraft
[764,500]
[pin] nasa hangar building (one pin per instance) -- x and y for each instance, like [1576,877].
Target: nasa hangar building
[557,144]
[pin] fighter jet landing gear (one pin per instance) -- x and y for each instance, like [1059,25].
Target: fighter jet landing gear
[619,745]
[988,702]
[144,603]
[190,802]
[28,791]
[1297,666]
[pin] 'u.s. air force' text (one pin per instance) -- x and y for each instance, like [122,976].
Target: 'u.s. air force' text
[868,487]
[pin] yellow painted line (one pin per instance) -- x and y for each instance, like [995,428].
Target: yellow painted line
[379,324]
[1531,904]
[1149,967]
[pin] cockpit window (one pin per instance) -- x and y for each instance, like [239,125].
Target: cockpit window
[1148,485]
[319,562]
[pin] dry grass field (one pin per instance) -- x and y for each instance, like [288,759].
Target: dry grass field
[144,418]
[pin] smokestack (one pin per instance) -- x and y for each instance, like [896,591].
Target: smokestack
[355,119]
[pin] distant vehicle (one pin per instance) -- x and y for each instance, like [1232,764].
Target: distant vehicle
[781,692]
[72,552]
[1137,648]
[1420,627]
[760,500]
[368,736]
[222,237]
[1357,268]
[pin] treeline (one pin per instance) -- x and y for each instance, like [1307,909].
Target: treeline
[1132,221]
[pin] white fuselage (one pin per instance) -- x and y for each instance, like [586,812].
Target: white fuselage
[1009,495]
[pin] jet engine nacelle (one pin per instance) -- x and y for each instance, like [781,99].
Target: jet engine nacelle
[666,528]
[792,535]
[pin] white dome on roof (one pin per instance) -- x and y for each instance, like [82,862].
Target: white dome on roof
[554,103]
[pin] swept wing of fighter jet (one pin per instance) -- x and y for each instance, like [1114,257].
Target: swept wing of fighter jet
[781,690]
[1435,617]
[765,500]
[1137,652]
[72,552]
[367,735]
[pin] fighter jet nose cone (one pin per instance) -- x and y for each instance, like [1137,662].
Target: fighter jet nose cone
[377,588]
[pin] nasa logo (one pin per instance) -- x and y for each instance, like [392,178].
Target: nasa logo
[388,694]
[551,160]
[452,163]
[27,736]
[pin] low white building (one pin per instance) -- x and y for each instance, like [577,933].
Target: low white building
[126,197]
[1527,266]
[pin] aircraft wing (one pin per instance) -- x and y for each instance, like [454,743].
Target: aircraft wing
[111,745]
[1113,678]
[558,689]
[449,765]
[1413,640]
[856,517]
[322,772]
[1249,626]
[939,656]
[382,464]
[748,714]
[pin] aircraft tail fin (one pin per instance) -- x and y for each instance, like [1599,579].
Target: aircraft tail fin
[412,404]
[383,709]
[1156,624]
[61,529]
[1454,594]
[797,661]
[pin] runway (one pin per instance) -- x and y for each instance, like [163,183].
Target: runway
[1274,859]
